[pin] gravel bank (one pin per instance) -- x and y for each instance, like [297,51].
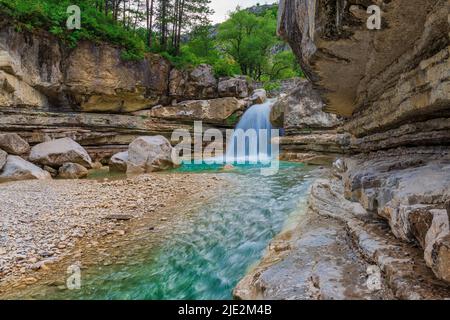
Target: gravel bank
[42,221]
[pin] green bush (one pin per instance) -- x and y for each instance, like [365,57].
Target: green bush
[51,15]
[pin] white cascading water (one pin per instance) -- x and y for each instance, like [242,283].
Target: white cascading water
[255,120]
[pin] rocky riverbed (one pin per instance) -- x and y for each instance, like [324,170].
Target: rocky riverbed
[46,222]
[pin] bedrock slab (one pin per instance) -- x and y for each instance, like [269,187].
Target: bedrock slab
[332,253]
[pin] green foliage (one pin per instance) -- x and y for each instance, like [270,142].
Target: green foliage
[52,16]
[250,40]
[245,44]
[272,85]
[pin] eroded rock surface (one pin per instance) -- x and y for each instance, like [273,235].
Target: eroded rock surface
[333,252]
[199,83]
[410,190]
[211,111]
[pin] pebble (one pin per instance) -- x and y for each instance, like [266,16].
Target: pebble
[46,219]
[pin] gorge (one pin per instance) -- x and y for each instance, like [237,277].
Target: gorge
[363,186]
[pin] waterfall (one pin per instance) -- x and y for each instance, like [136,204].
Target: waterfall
[251,140]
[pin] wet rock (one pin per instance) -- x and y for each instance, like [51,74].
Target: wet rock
[331,254]
[13,144]
[149,154]
[234,87]
[17,169]
[259,96]
[118,162]
[57,152]
[72,171]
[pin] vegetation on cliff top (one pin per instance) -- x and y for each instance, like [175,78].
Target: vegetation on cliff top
[180,30]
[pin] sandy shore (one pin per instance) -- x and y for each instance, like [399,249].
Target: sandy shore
[44,222]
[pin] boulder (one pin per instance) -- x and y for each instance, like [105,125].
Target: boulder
[72,171]
[149,154]
[57,152]
[17,169]
[234,87]
[3,158]
[302,109]
[13,144]
[211,111]
[259,96]
[53,172]
[199,83]
[118,162]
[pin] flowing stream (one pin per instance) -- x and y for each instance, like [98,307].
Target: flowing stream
[215,243]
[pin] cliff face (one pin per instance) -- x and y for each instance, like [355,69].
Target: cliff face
[88,93]
[390,185]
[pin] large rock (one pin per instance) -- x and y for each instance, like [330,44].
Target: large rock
[3,158]
[72,171]
[234,87]
[301,110]
[17,169]
[118,162]
[13,144]
[37,70]
[259,96]
[410,189]
[384,77]
[55,153]
[218,111]
[108,84]
[199,83]
[149,154]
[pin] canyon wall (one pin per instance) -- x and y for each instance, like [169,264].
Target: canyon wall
[390,89]
[49,90]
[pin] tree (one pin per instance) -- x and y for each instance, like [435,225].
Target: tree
[248,39]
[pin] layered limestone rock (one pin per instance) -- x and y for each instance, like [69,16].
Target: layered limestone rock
[339,250]
[311,135]
[37,71]
[410,189]
[355,68]
[219,111]
[390,210]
